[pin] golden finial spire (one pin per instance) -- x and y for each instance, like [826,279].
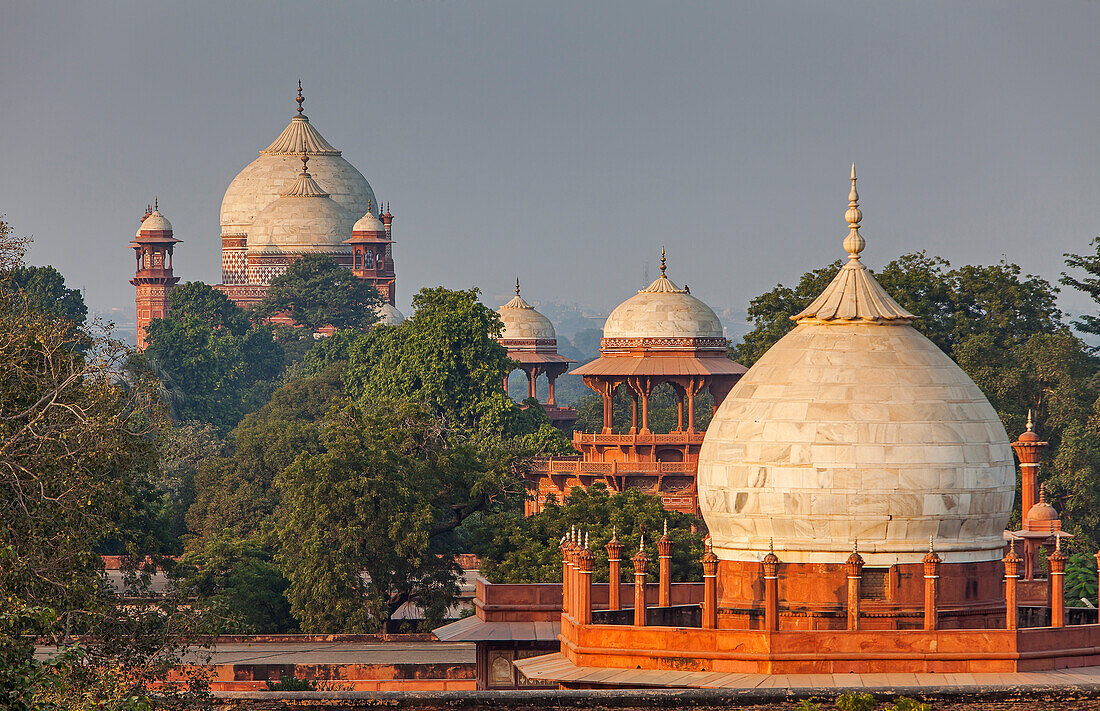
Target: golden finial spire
[517,286]
[662,261]
[854,242]
[300,99]
[1029,419]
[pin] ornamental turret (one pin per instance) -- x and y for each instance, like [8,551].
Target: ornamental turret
[153,279]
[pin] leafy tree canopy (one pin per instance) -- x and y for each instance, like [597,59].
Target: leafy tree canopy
[316,292]
[213,364]
[515,549]
[381,496]
[44,291]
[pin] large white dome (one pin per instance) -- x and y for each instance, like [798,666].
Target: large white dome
[263,180]
[853,428]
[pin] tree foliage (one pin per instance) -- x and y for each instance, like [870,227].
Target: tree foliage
[515,549]
[363,522]
[316,292]
[208,354]
[43,290]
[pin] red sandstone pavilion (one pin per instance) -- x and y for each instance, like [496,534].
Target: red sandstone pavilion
[856,485]
[661,335]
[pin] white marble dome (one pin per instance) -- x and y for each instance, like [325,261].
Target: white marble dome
[388,315]
[263,180]
[155,221]
[854,427]
[523,322]
[294,225]
[662,310]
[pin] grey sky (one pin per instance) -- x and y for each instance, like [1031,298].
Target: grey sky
[566,142]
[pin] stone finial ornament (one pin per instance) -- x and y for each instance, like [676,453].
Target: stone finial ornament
[300,99]
[517,286]
[854,242]
[662,261]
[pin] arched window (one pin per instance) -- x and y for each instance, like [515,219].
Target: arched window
[370,259]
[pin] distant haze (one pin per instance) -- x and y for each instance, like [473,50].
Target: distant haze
[566,142]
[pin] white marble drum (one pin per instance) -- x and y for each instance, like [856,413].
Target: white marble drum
[856,429]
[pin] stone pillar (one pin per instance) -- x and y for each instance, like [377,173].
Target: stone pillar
[854,566]
[771,590]
[691,405]
[640,560]
[633,412]
[710,590]
[614,558]
[1012,574]
[585,561]
[550,396]
[1057,582]
[566,542]
[664,559]
[931,587]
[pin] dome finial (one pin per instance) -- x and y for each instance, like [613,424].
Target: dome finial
[305,164]
[1042,493]
[300,99]
[854,242]
[1029,419]
[662,261]
[156,204]
[517,286]
[931,543]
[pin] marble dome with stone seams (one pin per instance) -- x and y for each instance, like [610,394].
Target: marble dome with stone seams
[855,429]
[662,310]
[304,218]
[263,180]
[523,322]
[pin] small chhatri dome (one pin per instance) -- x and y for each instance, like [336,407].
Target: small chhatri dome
[854,425]
[368,223]
[662,310]
[1041,510]
[523,322]
[155,222]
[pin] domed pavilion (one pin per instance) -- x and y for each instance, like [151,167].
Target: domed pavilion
[533,344]
[661,335]
[856,485]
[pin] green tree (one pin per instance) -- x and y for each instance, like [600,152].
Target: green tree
[363,523]
[182,451]
[238,578]
[207,351]
[77,471]
[44,291]
[1089,284]
[518,549]
[316,292]
[1080,578]
[662,410]
[235,493]
[447,359]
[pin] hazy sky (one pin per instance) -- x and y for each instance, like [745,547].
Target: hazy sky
[566,142]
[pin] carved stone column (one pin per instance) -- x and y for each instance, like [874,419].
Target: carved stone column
[854,566]
[664,561]
[1012,574]
[710,590]
[771,590]
[931,587]
[614,559]
[1057,561]
[640,560]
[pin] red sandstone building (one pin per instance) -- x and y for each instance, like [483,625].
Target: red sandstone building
[661,335]
[856,485]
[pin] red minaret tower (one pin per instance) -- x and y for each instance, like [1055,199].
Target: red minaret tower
[154,279]
[372,254]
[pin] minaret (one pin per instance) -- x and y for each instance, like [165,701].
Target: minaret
[153,279]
